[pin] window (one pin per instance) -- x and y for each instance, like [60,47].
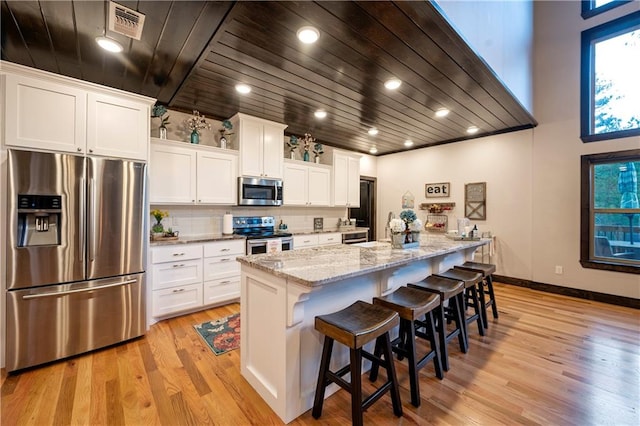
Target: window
[610,211]
[610,93]
[594,7]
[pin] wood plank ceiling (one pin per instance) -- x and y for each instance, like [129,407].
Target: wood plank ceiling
[192,54]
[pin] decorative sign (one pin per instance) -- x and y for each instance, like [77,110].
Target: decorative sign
[408,200]
[436,190]
[475,199]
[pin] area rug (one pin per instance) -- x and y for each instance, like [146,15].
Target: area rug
[222,335]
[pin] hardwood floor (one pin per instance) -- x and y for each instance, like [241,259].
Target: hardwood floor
[548,360]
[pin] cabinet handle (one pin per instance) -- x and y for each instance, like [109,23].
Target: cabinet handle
[179,266]
[307,241]
[178,254]
[225,259]
[225,249]
[178,290]
[225,282]
[199,201]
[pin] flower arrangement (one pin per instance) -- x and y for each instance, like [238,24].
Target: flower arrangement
[415,226]
[293,144]
[408,216]
[158,215]
[306,145]
[159,111]
[397,226]
[318,149]
[226,128]
[197,122]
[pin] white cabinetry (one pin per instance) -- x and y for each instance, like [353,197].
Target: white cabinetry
[306,184]
[316,240]
[54,113]
[221,271]
[261,144]
[186,277]
[180,173]
[346,179]
[176,278]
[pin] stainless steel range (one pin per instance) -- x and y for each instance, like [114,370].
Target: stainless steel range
[261,234]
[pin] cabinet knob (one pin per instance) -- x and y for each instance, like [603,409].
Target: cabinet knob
[79,149]
[90,150]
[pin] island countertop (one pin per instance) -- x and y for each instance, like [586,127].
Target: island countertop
[318,266]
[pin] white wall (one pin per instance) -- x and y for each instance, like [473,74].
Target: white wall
[501,33]
[533,176]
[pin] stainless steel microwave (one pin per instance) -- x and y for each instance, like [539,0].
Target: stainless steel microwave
[259,191]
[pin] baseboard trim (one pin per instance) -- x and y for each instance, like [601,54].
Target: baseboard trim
[573,292]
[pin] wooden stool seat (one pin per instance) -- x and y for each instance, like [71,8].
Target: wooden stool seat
[487,270]
[355,326]
[451,291]
[412,305]
[472,280]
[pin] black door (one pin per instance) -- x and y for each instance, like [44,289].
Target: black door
[366,215]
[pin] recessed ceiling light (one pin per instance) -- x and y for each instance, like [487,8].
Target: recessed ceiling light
[109,44]
[442,112]
[243,88]
[373,150]
[392,83]
[308,35]
[472,129]
[408,143]
[320,113]
[373,131]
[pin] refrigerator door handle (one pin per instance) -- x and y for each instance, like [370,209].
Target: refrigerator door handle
[80,290]
[82,219]
[91,240]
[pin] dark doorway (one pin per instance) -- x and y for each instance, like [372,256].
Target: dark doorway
[366,215]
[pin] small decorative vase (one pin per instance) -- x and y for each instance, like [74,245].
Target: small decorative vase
[163,132]
[317,159]
[223,142]
[292,155]
[195,137]
[306,156]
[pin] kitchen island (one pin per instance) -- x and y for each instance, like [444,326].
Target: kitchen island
[281,293]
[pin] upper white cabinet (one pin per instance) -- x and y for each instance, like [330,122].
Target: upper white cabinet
[261,146]
[306,184]
[117,127]
[346,179]
[49,112]
[181,173]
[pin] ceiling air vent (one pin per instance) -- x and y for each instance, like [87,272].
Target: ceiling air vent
[125,21]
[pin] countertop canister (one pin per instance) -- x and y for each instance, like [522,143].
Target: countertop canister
[227,224]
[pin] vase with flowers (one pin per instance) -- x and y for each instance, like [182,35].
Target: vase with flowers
[293,145]
[225,132]
[398,228]
[196,123]
[158,229]
[306,145]
[412,225]
[317,151]
[159,111]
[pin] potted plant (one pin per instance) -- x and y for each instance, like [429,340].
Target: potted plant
[224,132]
[317,150]
[293,145]
[159,111]
[158,229]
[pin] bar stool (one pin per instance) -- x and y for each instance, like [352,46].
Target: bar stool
[487,270]
[412,304]
[471,281]
[451,291]
[355,326]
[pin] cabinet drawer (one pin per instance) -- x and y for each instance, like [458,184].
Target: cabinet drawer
[174,274]
[176,253]
[329,239]
[176,299]
[302,241]
[224,248]
[221,290]
[221,266]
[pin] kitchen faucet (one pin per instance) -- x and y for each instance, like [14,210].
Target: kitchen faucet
[387,228]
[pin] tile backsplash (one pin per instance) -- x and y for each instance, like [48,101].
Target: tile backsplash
[206,220]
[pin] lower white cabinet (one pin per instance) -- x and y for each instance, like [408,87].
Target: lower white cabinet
[316,240]
[185,277]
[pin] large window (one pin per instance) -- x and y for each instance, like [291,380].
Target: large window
[594,7]
[610,211]
[610,86]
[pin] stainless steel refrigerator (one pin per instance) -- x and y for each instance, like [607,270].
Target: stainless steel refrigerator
[75,255]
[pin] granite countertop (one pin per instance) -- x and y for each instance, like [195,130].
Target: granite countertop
[323,265]
[197,239]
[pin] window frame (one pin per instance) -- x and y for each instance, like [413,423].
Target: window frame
[586,209]
[611,28]
[589,10]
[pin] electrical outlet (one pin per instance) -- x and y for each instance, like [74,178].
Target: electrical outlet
[559,270]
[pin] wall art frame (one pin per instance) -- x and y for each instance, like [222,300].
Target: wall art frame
[475,200]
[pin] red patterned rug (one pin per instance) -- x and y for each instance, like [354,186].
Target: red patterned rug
[222,335]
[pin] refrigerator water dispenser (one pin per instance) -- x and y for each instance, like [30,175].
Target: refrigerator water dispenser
[38,220]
